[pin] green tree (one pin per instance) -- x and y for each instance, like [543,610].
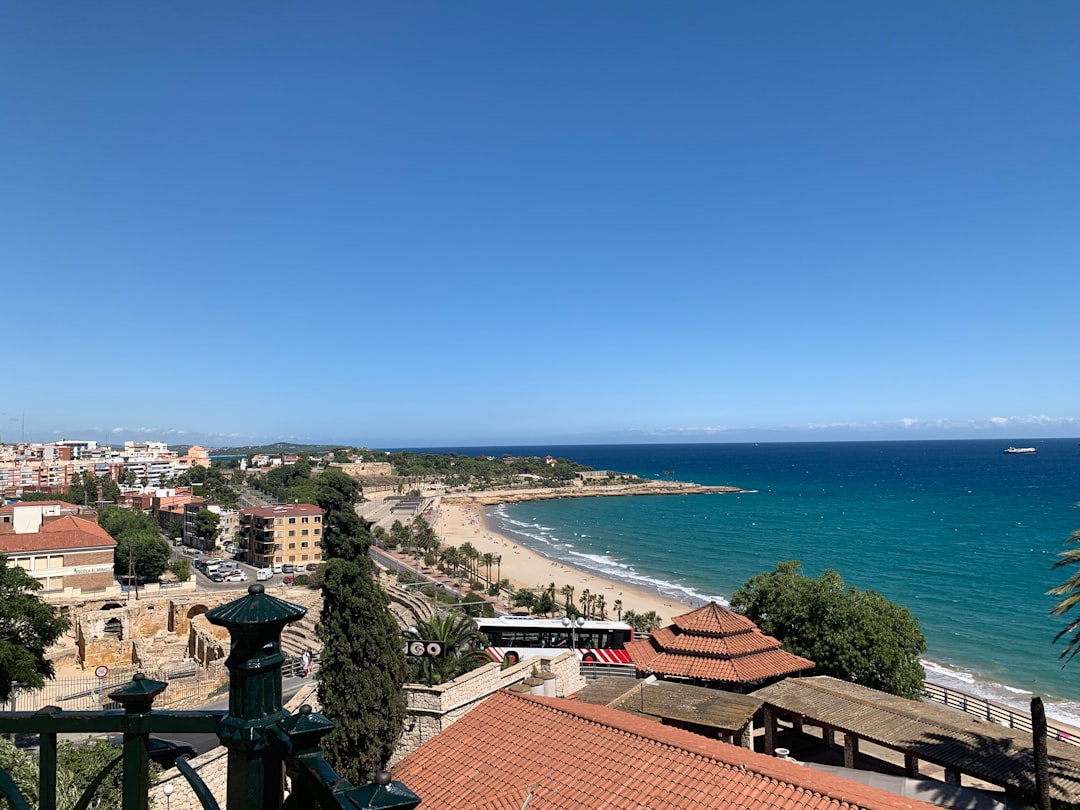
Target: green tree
[77,765]
[363,665]
[853,635]
[140,548]
[141,554]
[28,627]
[110,490]
[207,528]
[182,568]
[1069,591]
[462,648]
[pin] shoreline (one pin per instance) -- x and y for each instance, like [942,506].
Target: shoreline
[465,520]
[463,517]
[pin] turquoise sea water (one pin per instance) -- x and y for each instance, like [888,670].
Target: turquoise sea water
[956,531]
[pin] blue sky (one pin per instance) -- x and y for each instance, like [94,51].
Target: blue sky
[418,224]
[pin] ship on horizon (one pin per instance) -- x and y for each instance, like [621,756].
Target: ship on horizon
[1020,451]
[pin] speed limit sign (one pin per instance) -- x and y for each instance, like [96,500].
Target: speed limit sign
[101,671]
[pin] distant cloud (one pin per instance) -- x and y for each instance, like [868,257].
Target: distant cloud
[907,424]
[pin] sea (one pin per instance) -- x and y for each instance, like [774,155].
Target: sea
[960,533]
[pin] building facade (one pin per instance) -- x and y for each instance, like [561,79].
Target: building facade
[283,534]
[59,545]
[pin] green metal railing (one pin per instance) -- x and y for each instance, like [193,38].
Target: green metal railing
[265,743]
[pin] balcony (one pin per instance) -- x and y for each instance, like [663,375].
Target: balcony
[264,743]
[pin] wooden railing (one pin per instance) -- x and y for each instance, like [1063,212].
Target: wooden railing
[993,712]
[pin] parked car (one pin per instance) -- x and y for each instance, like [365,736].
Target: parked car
[216,577]
[277,569]
[287,568]
[235,576]
[164,752]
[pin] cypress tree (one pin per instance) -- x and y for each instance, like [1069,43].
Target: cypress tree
[363,665]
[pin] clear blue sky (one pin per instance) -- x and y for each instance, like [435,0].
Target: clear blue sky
[439,223]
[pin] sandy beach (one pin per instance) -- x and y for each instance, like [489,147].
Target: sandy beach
[460,520]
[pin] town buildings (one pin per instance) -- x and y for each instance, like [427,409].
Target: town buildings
[283,534]
[58,544]
[49,467]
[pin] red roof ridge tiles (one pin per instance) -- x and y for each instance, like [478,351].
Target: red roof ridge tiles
[714,643]
[567,754]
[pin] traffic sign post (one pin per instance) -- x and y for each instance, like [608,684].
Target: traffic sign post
[101,672]
[425,649]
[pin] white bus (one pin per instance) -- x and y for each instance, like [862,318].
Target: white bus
[513,638]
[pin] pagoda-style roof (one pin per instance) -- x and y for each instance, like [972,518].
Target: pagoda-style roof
[715,644]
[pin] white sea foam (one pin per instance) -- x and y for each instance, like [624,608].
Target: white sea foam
[959,680]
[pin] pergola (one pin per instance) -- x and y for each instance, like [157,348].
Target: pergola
[957,742]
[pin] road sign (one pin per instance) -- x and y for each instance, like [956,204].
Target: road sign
[424,649]
[101,671]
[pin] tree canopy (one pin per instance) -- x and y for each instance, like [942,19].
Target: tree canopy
[28,627]
[363,664]
[140,548]
[853,635]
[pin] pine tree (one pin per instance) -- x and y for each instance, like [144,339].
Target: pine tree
[363,665]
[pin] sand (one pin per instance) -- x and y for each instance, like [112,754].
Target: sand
[458,522]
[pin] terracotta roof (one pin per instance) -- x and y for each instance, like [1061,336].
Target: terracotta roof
[714,643]
[58,535]
[713,618]
[11,507]
[557,754]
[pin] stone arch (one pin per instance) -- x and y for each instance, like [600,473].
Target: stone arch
[196,610]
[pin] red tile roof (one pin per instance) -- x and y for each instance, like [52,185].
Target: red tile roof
[714,643]
[58,535]
[559,754]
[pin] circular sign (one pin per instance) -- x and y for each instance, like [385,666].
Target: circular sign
[416,648]
[101,671]
[434,649]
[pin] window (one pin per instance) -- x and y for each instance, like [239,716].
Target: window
[304,519]
[318,519]
[316,531]
[292,545]
[304,544]
[292,520]
[303,532]
[292,532]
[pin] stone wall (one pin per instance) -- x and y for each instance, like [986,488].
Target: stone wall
[434,708]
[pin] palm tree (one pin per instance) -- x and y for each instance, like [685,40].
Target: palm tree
[463,649]
[487,559]
[498,567]
[617,607]
[650,621]
[568,594]
[600,606]
[1069,591]
[467,552]
[585,600]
